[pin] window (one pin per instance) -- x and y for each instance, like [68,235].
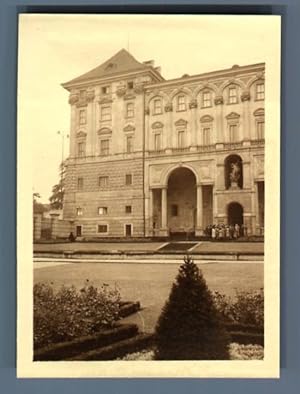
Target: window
[157,141]
[206,131]
[102,228]
[81,149]
[129,144]
[128,179]
[174,210]
[102,211]
[82,116]
[128,209]
[206,100]
[181,139]
[260,126]
[79,211]
[233,133]
[130,110]
[103,181]
[130,85]
[260,91]
[79,183]
[181,105]
[232,95]
[106,113]
[157,107]
[105,89]
[104,147]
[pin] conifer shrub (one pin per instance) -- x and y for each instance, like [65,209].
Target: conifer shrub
[190,327]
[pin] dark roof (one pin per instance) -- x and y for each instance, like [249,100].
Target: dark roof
[121,62]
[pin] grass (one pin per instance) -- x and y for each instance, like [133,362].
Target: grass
[151,283]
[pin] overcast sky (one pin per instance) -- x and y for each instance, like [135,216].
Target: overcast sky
[57,48]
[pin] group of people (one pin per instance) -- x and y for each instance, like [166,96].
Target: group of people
[224,232]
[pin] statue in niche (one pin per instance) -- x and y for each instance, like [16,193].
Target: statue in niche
[235,174]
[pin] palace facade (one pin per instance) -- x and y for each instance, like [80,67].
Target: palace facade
[154,157]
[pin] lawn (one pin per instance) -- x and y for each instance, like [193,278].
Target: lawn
[150,283]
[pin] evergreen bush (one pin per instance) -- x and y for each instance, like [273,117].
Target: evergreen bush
[190,327]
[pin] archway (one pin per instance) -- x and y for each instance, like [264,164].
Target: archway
[233,172]
[235,214]
[181,201]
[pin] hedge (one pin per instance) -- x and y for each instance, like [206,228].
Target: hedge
[118,349]
[63,350]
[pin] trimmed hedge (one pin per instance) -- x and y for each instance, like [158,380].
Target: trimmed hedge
[128,308]
[63,350]
[249,328]
[117,350]
[247,338]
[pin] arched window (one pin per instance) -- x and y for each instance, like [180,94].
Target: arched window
[259,115]
[181,103]
[157,106]
[233,172]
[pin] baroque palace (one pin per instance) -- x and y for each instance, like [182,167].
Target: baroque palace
[154,157]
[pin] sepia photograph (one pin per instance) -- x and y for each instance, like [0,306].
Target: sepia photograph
[148,195]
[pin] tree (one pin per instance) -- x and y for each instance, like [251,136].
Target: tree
[58,190]
[37,206]
[190,327]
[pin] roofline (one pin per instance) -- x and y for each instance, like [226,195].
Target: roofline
[88,81]
[219,73]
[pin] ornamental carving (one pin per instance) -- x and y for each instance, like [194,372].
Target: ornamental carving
[81,134]
[219,100]
[73,98]
[169,107]
[259,112]
[232,115]
[245,96]
[104,130]
[206,118]
[181,122]
[157,125]
[121,90]
[129,96]
[193,104]
[105,100]
[138,88]
[90,95]
[129,128]
[260,75]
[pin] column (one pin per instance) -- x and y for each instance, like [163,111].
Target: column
[256,221]
[164,211]
[219,135]
[193,107]
[150,211]
[199,224]
[246,118]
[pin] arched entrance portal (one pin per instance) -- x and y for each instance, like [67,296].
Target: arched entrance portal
[181,201]
[235,214]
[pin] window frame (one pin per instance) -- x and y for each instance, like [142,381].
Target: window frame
[82,116]
[157,110]
[257,93]
[81,152]
[127,183]
[130,110]
[105,116]
[104,151]
[235,96]
[102,232]
[106,180]
[79,211]
[206,100]
[181,141]
[80,183]
[128,212]
[104,210]
[179,104]
[128,138]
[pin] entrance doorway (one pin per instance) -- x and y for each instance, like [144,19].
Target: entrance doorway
[181,201]
[235,214]
[78,231]
[128,230]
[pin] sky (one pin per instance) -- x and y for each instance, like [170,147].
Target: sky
[57,48]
